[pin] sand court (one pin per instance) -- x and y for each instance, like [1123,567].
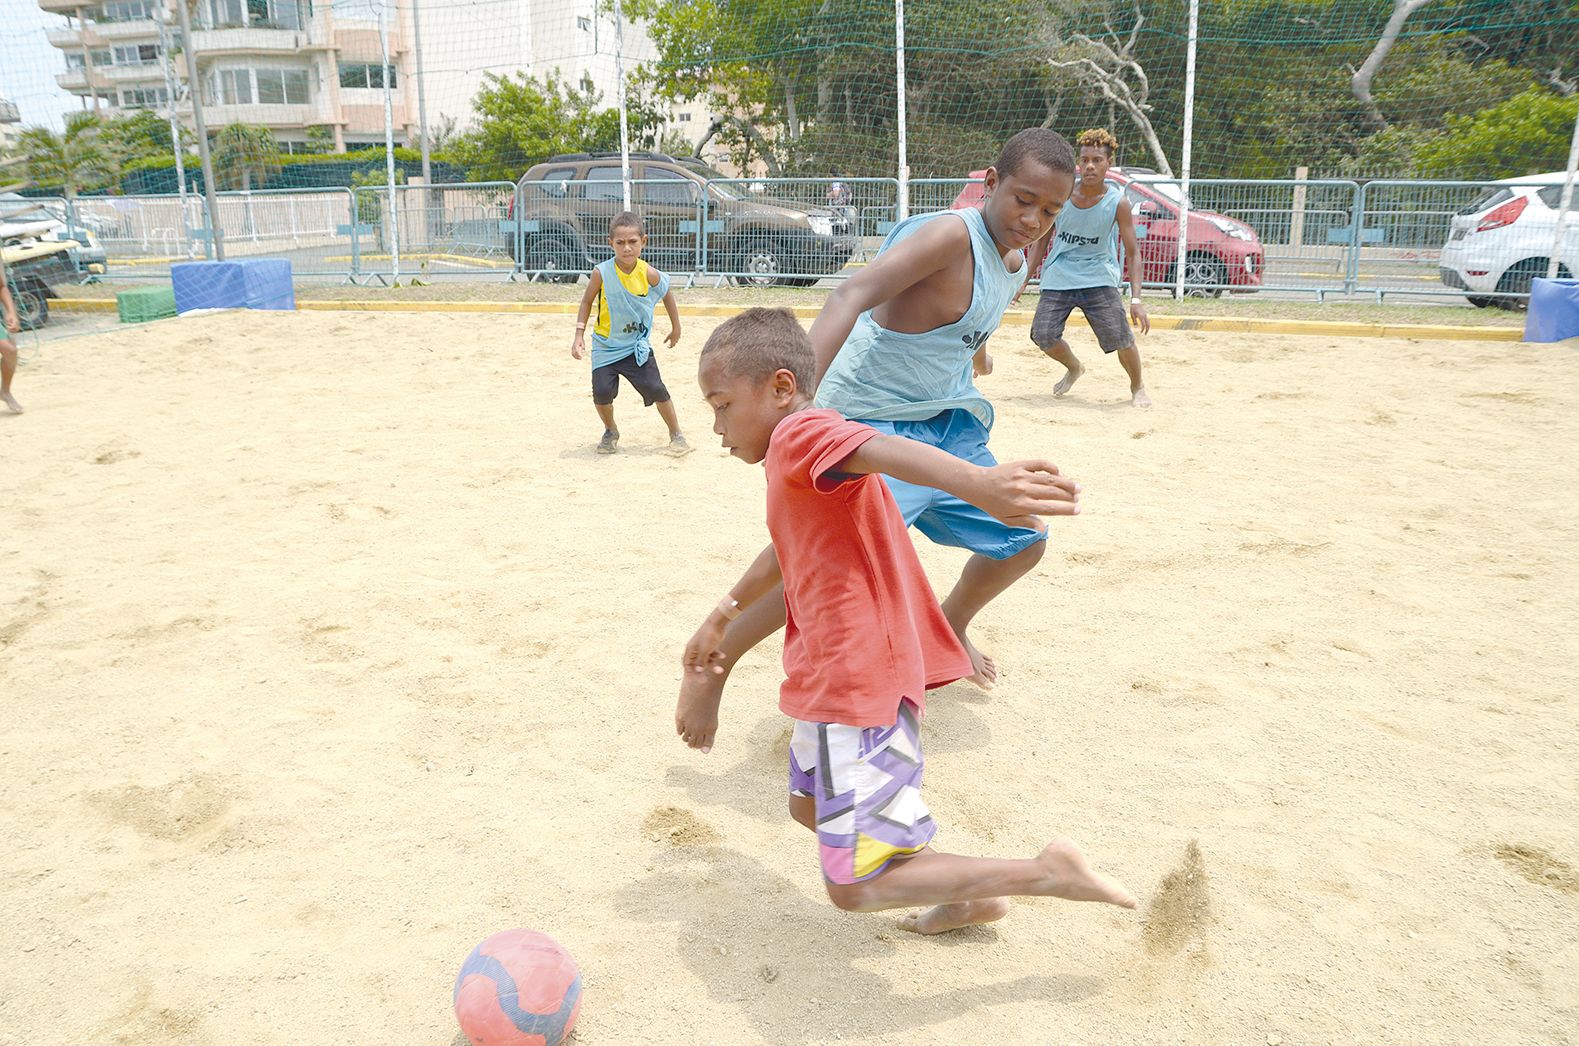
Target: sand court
[329,647]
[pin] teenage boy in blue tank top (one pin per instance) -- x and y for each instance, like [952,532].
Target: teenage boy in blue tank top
[1081,271]
[625,291]
[897,346]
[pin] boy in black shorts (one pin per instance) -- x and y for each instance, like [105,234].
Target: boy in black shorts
[1082,271]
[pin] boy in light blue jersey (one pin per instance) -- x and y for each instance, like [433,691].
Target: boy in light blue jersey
[897,346]
[1081,271]
[624,289]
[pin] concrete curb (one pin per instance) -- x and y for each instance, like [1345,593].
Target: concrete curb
[1016,318]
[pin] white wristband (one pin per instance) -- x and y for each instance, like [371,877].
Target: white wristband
[729,607]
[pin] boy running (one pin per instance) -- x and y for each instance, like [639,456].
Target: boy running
[865,637]
[625,289]
[1082,272]
[896,346]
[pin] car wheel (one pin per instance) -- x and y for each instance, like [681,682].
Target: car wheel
[758,264]
[1204,276]
[1481,303]
[797,281]
[1518,279]
[32,307]
[554,260]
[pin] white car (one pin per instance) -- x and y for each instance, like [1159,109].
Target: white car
[1503,240]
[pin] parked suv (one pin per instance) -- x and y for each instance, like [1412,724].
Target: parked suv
[1503,240]
[569,200]
[1224,253]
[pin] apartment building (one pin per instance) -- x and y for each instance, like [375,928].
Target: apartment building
[10,123]
[309,71]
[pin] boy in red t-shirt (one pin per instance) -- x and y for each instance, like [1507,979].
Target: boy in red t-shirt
[865,637]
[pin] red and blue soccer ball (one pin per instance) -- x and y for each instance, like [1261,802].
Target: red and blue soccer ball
[518,988]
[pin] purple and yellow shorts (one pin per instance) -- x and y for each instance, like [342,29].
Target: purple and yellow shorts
[866,783]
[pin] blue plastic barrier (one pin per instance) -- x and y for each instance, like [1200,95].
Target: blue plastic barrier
[1554,310]
[251,283]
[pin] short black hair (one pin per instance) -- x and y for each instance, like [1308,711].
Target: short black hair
[627,220]
[1036,143]
[759,343]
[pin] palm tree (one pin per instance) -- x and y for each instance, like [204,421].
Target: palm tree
[241,152]
[75,159]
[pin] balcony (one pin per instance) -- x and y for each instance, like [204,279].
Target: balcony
[65,36]
[143,30]
[268,115]
[66,7]
[120,74]
[74,80]
[249,40]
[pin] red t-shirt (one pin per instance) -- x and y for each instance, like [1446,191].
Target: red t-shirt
[865,629]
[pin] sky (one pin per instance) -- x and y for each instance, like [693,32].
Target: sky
[28,64]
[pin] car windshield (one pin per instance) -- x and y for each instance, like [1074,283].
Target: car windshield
[1488,198]
[728,191]
[1167,190]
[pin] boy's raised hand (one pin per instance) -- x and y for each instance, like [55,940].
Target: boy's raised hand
[1021,491]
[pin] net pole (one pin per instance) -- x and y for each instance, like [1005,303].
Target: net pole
[1564,205]
[619,101]
[195,91]
[899,93]
[422,94]
[163,21]
[1184,156]
[389,144]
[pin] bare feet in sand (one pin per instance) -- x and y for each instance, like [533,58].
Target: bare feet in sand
[945,917]
[1071,878]
[1068,380]
[1138,398]
[10,401]
[986,674]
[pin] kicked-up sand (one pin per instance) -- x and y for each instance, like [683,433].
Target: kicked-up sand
[329,647]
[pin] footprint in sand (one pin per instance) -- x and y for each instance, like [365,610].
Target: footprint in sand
[1179,913]
[1538,866]
[116,454]
[678,827]
[193,809]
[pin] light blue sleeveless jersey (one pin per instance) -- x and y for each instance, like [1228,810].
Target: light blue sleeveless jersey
[1085,246]
[630,319]
[883,375]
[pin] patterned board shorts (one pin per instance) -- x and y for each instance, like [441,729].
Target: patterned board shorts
[1104,309]
[866,782]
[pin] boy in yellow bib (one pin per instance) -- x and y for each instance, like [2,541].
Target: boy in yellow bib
[625,290]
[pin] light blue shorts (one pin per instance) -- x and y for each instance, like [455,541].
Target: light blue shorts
[942,517]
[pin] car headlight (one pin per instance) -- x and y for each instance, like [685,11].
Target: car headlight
[821,224]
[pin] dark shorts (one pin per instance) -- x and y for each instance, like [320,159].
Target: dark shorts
[645,379]
[1104,310]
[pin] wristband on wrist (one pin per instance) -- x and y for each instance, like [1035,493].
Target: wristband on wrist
[729,607]
[581,326]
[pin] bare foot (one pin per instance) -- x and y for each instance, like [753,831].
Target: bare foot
[986,674]
[1069,379]
[696,713]
[10,401]
[945,917]
[1070,877]
[678,447]
[1139,398]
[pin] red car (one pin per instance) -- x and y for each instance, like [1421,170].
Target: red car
[1224,254]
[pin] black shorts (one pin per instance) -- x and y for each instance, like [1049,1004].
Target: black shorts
[645,379]
[1104,310]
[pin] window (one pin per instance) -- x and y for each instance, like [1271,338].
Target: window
[685,117]
[137,54]
[587,86]
[603,183]
[359,75]
[553,181]
[124,11]
[143,97]
[235,87]
[225,13]
[74,60]
[282,86]
[584,24]
[103,57]
[1552,195]
[667,188]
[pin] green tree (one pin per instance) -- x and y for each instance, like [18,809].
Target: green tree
[77,158]
[137,136]
[244,153]
[521,121]
[1527,134]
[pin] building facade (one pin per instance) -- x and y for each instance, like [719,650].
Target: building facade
[309,71]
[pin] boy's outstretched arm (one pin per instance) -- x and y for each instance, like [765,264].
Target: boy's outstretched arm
[1017,492]
[594,284]
[697,726]
[674,318]
[912,260]
[1126,231]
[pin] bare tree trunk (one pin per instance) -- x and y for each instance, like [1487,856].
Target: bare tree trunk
[1366,73]
[746,128]
[1108,63]
[791,115]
